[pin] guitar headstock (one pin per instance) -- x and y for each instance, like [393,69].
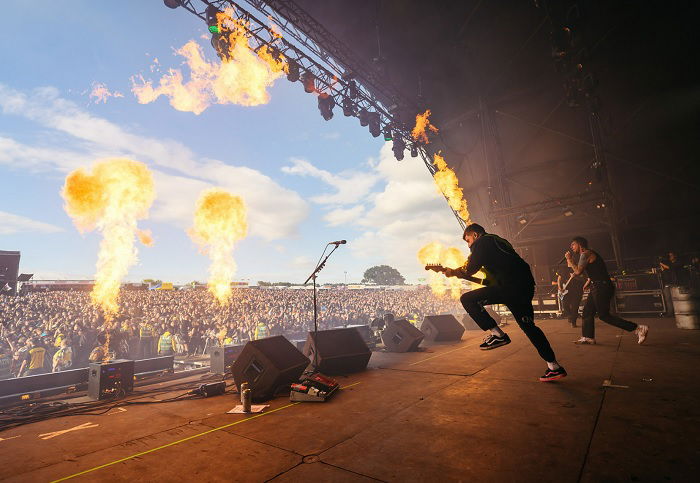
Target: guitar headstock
[435,267]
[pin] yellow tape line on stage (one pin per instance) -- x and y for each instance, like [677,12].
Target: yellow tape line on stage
[152,450]
[437,355]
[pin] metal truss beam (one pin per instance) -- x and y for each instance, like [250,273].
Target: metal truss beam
[317,51]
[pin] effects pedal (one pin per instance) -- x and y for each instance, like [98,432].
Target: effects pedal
[313,388]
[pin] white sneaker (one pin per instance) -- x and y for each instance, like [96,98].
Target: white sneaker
[641,331]
[585,340]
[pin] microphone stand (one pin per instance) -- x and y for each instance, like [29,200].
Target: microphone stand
[314,274]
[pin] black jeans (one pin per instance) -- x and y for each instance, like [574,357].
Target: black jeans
[599,303]
[570,304]
[518,299]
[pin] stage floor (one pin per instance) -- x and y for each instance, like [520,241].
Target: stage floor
[450,413]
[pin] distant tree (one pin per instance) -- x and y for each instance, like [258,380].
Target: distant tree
[263,284]
[383,275]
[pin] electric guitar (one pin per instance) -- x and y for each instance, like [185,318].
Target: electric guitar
[439,268]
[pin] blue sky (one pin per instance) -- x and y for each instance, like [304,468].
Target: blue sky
[306,181]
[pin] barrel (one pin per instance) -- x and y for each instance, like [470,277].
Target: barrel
[686,306]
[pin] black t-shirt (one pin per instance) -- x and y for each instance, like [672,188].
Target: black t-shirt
[502,264]
[596,270]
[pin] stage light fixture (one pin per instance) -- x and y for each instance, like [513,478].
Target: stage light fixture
[414,151]
[522,220]
[293,71]
[387,134]
[352,90]
[364,117]
[399,147]
[326,105]
[348,107]
[374,128]
[172,3]
[568,212]
[309,81]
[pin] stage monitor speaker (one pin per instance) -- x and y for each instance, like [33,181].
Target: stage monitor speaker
[442,328]
[337,351]
[401,336]
[364,330]
[221,358]
[268,365]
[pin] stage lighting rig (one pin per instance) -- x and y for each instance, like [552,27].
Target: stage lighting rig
[414,151]
[374,127]
[364,117]
[309,81]
[172,3]
[326,105]
[399,147]
[292,70]
[348,107]
[352,90]
[387,134]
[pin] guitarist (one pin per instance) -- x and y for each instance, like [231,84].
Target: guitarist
[570,293]
[509,281]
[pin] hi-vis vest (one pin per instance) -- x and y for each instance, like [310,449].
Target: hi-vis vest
[261,331]
[165,343]
[36,357]
[63,358]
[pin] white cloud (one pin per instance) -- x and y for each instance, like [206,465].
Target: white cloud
[11,224]
[274,211]
[349,186]
[406,212]
[343,216]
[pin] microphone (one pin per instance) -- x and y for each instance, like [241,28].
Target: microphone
[339,242]
[563,259]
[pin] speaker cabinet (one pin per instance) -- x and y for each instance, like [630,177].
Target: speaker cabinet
[268,365]
[110,379]
[401,336]
[337,351]
[221,358]
[365,332]
[441,328]
[469,323]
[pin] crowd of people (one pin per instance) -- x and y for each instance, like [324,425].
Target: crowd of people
[53,331]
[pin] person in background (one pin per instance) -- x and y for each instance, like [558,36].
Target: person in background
[166,343]
[63,358]
[34,359]
[602,292]
[671,269]
[570,293]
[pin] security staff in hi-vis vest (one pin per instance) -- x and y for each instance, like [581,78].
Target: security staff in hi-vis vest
[166,344]
[34,359]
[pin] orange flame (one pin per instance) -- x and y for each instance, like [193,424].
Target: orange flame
[112,198]
[219,222]
[423,125]
[436,253]
[145,237]
[446,180]
[100,93]
[243,79]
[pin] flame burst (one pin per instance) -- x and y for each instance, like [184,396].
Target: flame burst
[100,93]
[112,198]
[219,222]
[242,78]
[451,257]
[446,180]
[423,125]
